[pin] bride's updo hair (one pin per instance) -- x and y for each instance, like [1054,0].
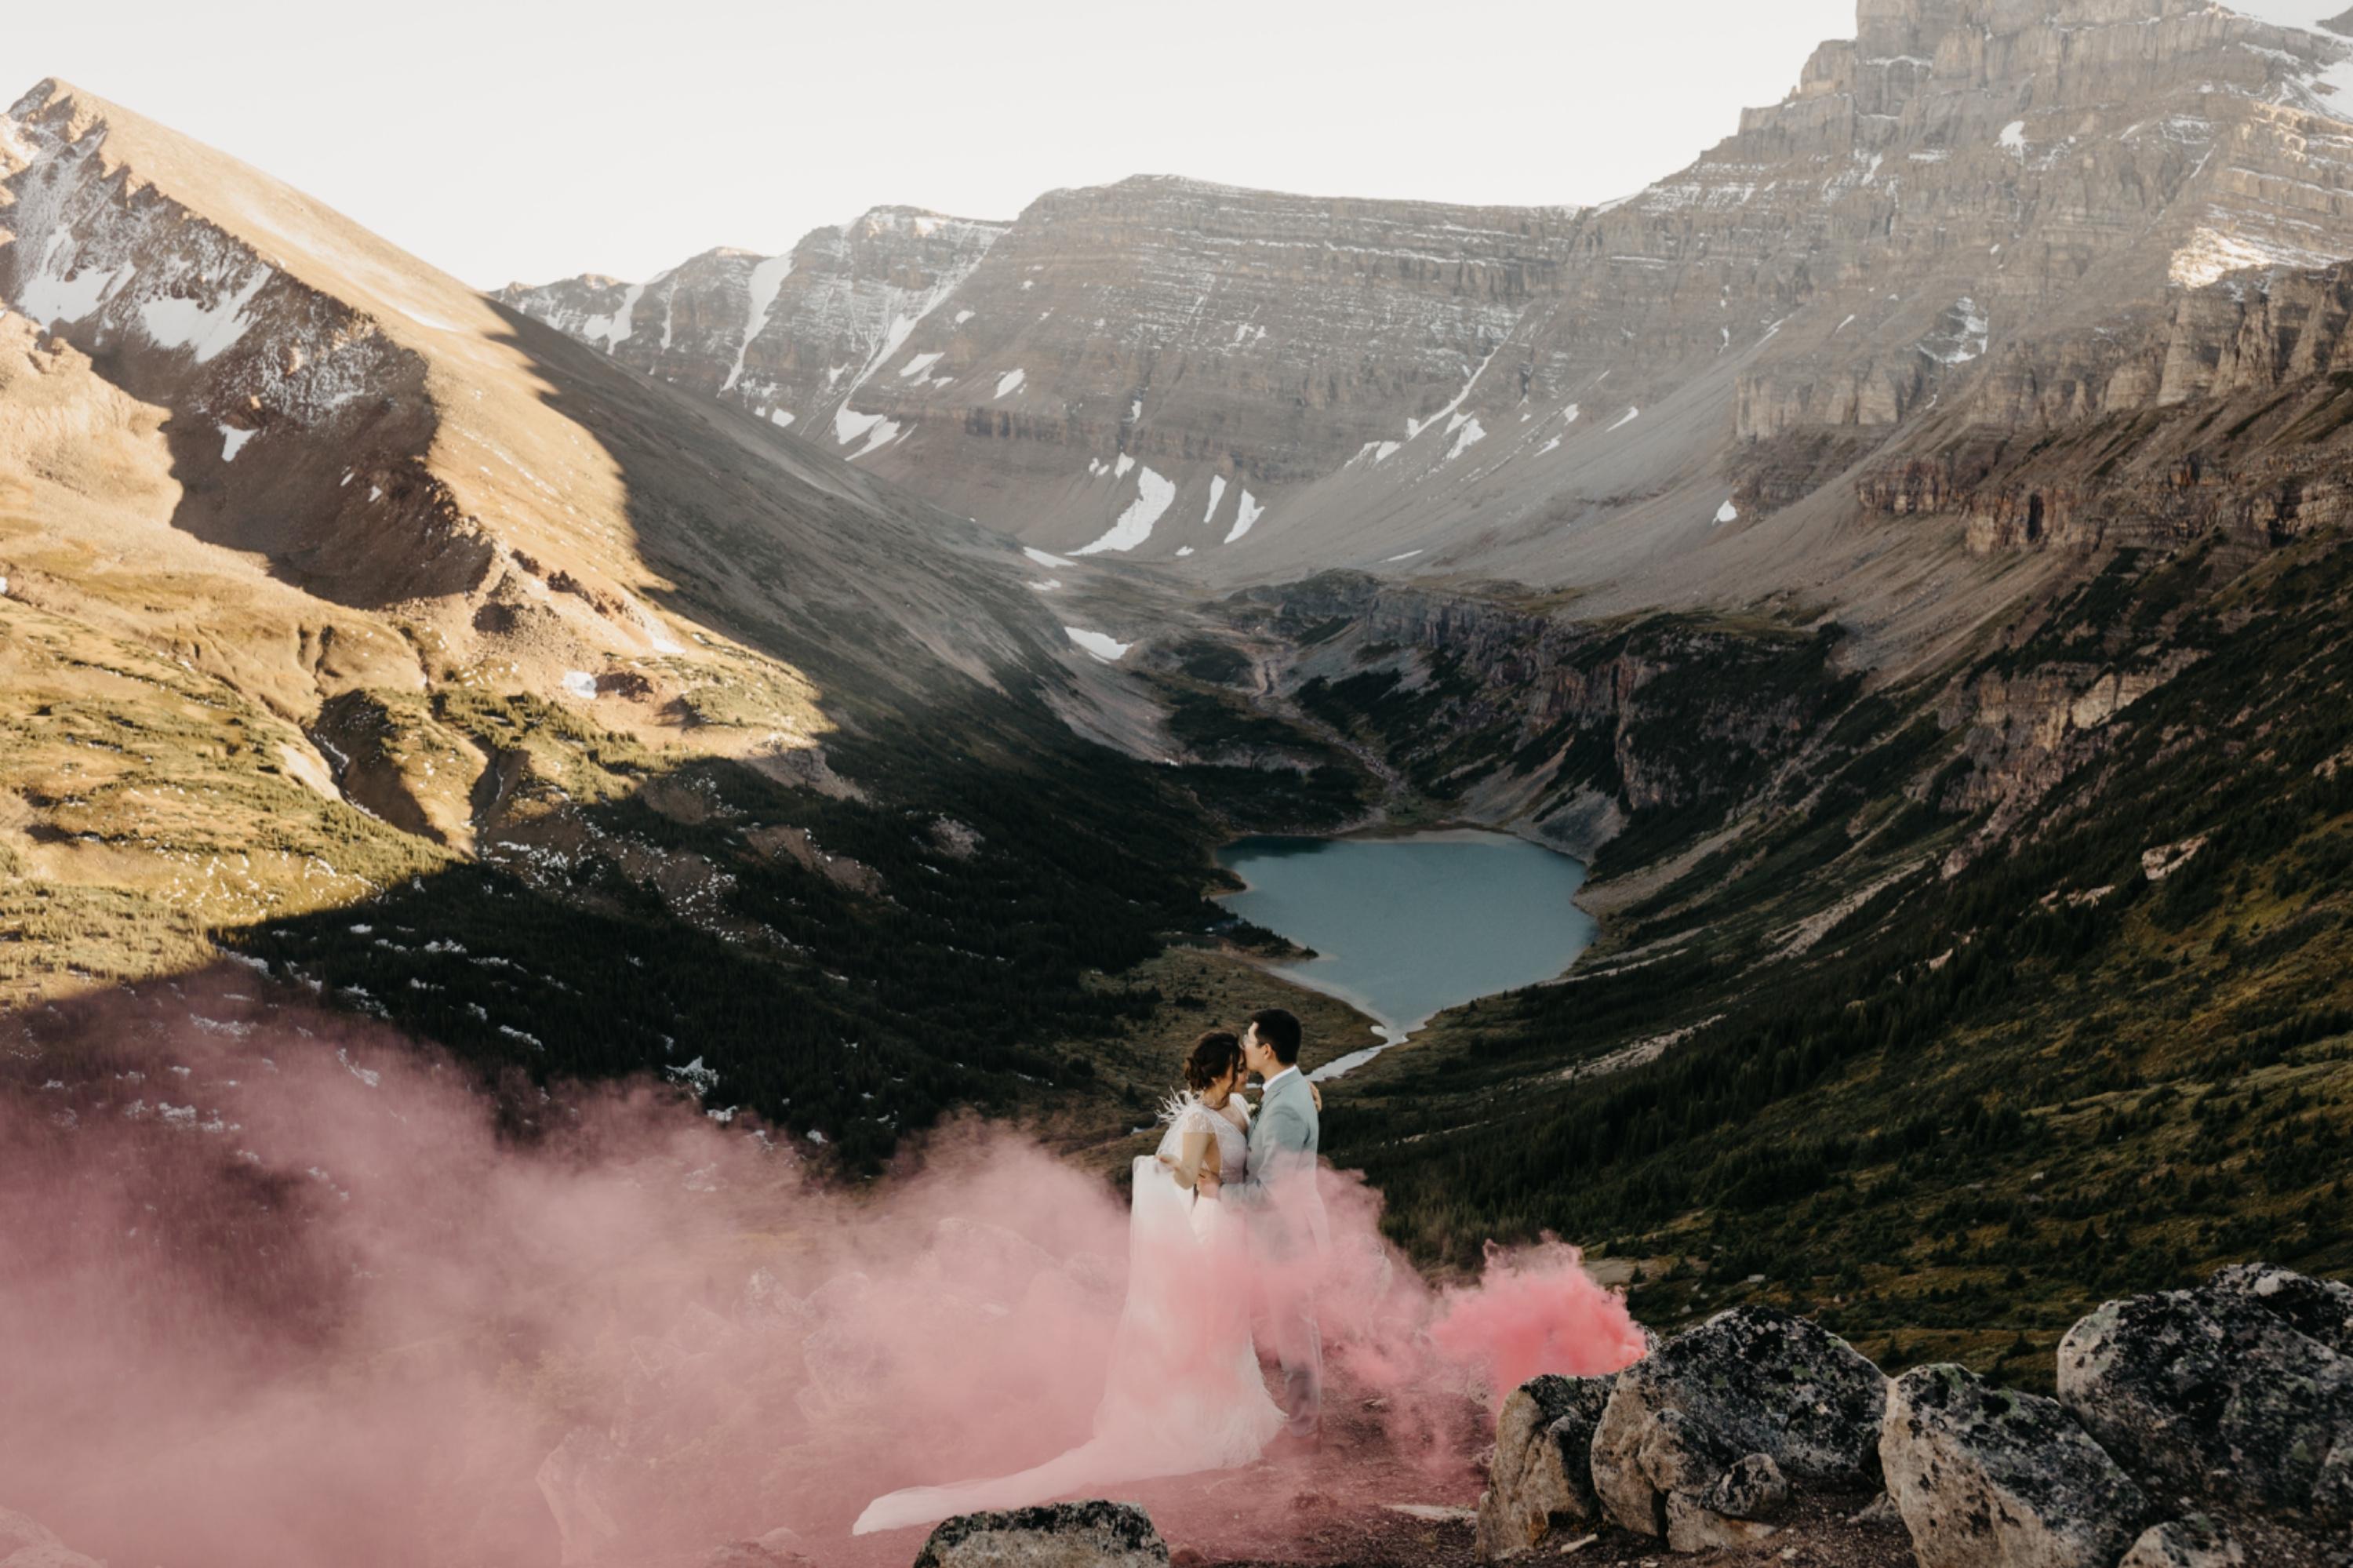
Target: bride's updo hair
[1214,1056]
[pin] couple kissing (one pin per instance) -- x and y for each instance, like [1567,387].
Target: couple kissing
[1226,1239]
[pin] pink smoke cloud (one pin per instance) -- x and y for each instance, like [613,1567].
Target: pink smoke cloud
[284,1289]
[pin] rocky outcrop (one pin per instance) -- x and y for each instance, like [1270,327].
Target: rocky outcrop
[1066,1535]
[1754,1381]
[2319,1310]
[2229,1393]
[1595,722]
[26,1543]
[1706,1523]
[2214,1394]
[2193,1542]
[776,1549]
[791,338]
[1985,1475]
[1541,1480]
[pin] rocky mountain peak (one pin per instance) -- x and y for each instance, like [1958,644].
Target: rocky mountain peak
[1251,385]
[384,438]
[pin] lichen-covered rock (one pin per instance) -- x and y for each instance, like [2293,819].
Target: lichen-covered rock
[2193,1542]
[1987,1477]
[2216,1393]
[1541,1478]
[2320,1310]
[1693,1526]
[1754,1488]
[1751,1381]
[1065,1535]
[2332,1493]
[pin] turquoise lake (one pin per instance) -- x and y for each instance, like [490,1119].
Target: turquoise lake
[1406,927]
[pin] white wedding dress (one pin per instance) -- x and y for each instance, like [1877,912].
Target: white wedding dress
[1184,1394]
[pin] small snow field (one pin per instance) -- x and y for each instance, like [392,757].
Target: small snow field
[1245,518]
[1154,496]
[1108,650]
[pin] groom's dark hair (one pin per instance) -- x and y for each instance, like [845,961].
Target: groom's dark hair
[1280,1030]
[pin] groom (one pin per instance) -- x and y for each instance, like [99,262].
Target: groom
[1285,1212]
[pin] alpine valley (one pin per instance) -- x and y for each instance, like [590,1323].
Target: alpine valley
[1908,554]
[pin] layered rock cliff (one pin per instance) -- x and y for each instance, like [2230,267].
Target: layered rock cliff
[1971,201]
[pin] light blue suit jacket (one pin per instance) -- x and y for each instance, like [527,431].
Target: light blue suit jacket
[1278,1193]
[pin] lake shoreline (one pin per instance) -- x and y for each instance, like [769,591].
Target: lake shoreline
[1410,922]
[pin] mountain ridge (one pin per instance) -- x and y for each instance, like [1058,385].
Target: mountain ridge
[1716,297]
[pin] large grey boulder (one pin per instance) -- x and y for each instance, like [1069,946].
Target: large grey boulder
[1542,1479]
[1751,1381]
[1989,1477]
[2193,1542]
[1065,1535]
[2217,1394]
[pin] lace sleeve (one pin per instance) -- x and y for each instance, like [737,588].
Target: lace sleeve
[1191,1146]
[1197,1151]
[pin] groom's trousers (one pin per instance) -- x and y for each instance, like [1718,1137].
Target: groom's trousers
[1299,1347]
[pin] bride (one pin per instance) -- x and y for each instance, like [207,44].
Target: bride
[1184,1393]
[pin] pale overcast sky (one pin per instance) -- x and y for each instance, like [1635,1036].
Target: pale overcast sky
[503,141]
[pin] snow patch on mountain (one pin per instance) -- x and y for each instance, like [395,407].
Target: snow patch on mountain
[1961,336]
[1009,383]
[174,321]
[767,279]
[2212,253]
[1154,495]
[1472,434]
[1105,649]
[1245,517]
[1415,427]
[614,330]
[848,425]
[61,290]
